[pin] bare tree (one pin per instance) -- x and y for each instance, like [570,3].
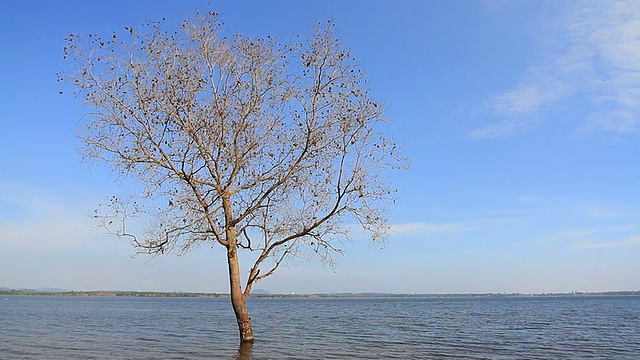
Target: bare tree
[249,143]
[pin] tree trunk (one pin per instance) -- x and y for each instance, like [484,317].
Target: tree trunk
[238,299]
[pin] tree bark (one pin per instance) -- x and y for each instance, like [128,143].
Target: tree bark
[238,298]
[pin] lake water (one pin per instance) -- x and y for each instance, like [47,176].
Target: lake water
[42,327]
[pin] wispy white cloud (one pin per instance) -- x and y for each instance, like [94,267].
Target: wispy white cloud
[595,60]
[601,211]
[38,221]
[631,241]
[598,236]
[580,235]
[529,96]
[45,236]
[423,228]
[529,199]
[506,127]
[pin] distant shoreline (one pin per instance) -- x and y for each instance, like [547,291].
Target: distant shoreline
[156,294]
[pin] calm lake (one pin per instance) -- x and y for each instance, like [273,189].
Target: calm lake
[40,327]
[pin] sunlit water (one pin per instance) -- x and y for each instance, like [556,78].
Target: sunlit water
[409,328]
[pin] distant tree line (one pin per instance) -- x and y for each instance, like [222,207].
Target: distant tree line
[31,292]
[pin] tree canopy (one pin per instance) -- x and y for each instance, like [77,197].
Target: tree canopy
[258,144]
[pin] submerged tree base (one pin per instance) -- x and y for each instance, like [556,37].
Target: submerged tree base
[244,352]
[247,340]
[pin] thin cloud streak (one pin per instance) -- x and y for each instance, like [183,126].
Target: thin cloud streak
[423,228]
[633,241]
[596,62]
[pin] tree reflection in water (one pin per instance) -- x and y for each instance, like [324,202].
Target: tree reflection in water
[244,352]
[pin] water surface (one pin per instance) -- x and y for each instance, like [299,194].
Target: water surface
[39,327]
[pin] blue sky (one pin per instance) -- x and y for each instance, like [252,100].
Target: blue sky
[521,119]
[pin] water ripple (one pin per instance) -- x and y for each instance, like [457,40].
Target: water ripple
[409,328]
